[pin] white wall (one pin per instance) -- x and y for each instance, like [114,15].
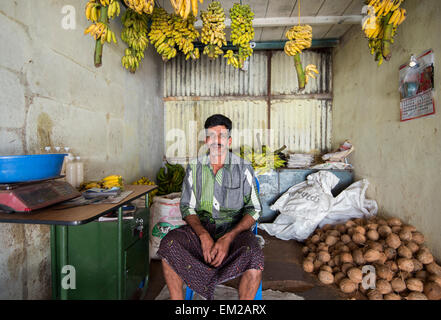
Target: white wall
[52,94]
[400,159]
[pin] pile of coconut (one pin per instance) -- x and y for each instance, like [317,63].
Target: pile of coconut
[404,267]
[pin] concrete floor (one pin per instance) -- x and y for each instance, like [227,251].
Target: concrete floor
[283,271]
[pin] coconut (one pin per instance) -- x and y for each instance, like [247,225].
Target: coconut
[346,266]
[352,246]
[424,256]
[326,268]
[382,258]
[384,231]
[311,255]
[334,233]
[331,263]
[381,221]
[404,252]
[392,265]
[337,260]
[305,250]
[358,238]
[393,241]
[414,284]
[373,235]
[392,222]
[375,295]
[331,240]
[360,229]
[375,245]
[336,269]
[357,256]
[315,239]
[417,265]
[392,296]
[350,224]
[398,285]
[308,265]
[347,285]
[338,276]
[346,257]
[434,278]
[418,237]
[390,253]
[360,221]
[351,231]
[371,255]
[317,265]
[434,268]
[322,247]
[340,228]
[432,290]
[312,247]
[372,226]
[405,235]
[396,229]
[327,227]
[422,275]
[383,286]
[405,264]
[355,275]
[345,238]
[416,296]
[384,272]
[326,277]
[408,227]
[413,246]
[324,256]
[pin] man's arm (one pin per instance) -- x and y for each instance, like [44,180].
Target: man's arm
[188,211]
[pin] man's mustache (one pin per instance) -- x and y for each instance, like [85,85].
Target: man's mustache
[217,145]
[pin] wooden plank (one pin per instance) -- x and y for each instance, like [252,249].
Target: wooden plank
[73,216]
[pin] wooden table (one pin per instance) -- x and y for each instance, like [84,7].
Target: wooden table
[77,216]
[74,216]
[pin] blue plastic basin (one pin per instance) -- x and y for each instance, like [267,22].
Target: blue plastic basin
[30,167]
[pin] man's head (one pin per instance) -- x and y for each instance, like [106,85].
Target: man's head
[217,134]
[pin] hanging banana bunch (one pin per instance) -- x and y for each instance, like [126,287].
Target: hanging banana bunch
[99,12]
[161,34]
[380,26]
[242,32]
[184,7]
[135,35]
[141,6]
[300,38]
[184,34]
[213,26]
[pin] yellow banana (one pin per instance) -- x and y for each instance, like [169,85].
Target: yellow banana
[403,16]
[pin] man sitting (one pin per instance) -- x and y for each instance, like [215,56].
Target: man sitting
[220,204]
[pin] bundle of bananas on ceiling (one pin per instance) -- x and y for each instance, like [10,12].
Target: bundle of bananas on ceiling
[161,34]
[141,6]
[170,178]
[135,34]
[380,26]
[184,7]
[213,26]
[184,34]
[242,32]
[264,161]
[299,39]
[100,29]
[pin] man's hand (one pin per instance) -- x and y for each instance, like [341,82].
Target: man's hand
[220,250]
[207,246]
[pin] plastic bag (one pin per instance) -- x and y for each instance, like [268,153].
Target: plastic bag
[350,204]
[302,207]
[165,216]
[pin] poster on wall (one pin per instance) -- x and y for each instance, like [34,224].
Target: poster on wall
[417,87]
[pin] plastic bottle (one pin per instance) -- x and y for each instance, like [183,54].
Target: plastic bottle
[71,171]
[80,171]
[65,161]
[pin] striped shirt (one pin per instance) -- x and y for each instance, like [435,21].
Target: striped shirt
[222,199]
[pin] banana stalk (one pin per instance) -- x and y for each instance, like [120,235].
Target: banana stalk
[387,38]
[99,46]
[300,73]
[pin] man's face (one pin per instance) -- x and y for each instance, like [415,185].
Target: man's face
[218,140]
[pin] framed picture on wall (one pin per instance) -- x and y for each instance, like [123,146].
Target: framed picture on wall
[416,87]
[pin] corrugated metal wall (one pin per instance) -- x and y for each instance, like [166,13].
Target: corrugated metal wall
[194,90]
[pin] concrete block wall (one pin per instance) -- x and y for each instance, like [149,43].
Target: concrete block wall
[51,94]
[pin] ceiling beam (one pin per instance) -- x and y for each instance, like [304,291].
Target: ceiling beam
[290,21]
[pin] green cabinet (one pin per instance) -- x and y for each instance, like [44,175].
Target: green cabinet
[106,259]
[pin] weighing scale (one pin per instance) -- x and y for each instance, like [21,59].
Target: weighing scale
[34,195]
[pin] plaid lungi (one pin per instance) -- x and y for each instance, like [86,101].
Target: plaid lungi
[181,248]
